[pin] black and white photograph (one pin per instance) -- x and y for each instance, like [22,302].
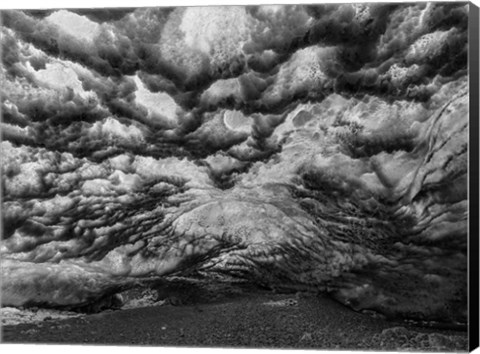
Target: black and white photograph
[259,176]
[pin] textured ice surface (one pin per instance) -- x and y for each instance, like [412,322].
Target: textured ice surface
[300,147]
[13,316]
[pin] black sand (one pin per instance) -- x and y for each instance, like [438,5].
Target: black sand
[256,319]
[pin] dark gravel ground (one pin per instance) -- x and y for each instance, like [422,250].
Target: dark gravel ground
[249,319]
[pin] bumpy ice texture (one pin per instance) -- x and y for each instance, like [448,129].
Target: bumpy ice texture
[300,147]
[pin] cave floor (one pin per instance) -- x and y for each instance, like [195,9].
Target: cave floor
[258,319]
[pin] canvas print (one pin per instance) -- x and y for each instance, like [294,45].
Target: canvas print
[291,176]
